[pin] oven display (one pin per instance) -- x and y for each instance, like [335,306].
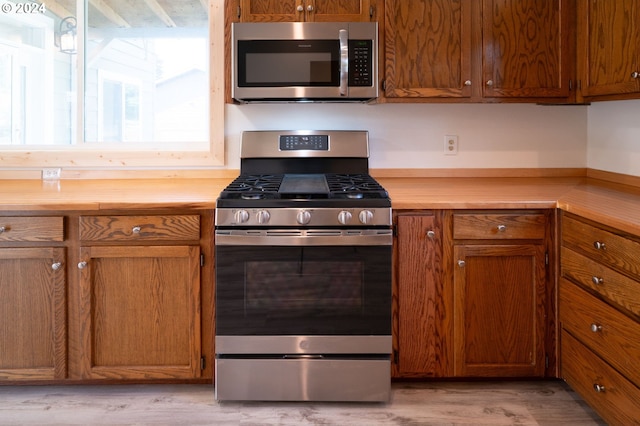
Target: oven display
[304,142]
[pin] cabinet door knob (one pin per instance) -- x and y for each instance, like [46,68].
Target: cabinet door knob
[300,8]
[310,8]
[598,388]
[431,234]
[2,229]
[489,82]
[599,245]
[461,263]
[82,265]
[596,328]
[136,229]
[502,228]
[597,280]
[467,82]
[635,74]
[56,266]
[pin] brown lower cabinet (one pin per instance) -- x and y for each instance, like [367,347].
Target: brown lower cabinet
[110,297]
[473,294]
[599,308]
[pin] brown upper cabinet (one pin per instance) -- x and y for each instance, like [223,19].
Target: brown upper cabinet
[489,50]
[304,10]
[609,48]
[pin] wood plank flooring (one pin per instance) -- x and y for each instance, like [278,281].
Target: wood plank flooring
[424,403]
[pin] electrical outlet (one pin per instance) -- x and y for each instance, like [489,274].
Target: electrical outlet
[51,174]
[451,145]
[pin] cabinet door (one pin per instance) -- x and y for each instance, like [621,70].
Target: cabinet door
[271,11]
[428,48]
[32,314]
[339,10]
[527,49]
[609,46]
[423,318]
[499,310]
[140,306]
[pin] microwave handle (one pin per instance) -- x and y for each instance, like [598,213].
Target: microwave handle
[344,62]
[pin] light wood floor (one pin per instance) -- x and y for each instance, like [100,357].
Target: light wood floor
[426,403]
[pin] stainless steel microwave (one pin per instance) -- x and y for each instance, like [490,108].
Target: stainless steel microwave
[305,61]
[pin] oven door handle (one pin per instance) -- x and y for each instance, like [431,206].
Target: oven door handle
[344,62]
[304,237]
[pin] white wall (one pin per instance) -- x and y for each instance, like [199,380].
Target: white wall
[412,136]
[614,137]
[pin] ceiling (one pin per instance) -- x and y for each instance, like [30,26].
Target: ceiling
[107,14]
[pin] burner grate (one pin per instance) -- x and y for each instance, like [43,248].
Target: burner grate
[353,183]
[255,183]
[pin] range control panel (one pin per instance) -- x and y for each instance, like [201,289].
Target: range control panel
[304,142]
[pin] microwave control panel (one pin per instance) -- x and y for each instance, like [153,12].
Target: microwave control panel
[360,62]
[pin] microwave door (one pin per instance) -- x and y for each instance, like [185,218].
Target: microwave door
[344,62]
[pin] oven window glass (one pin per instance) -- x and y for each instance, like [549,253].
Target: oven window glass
[330,290]
[296,285]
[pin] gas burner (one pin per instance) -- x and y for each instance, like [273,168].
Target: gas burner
[252,196]
[353,184]
[253,187]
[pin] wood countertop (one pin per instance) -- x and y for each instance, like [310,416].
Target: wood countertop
[615,205]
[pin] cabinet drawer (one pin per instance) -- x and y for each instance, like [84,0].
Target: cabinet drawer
[608,332]
[603,246]
[615,287]
[140,228]
[615,398]
[32,229]
[498,226]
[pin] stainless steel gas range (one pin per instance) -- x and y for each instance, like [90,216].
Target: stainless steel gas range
[303,272]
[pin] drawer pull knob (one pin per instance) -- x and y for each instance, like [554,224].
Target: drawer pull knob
[597,280]
[467,82]
[635,74]
[82,265]
[596,328]
[2,229]
[599,246]
[461,263]
[136,229]
[502,228]
[598,388]
[431,234]
[56,266]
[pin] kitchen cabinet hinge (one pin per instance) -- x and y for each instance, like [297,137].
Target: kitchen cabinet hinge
[201,259]
[570,85]
[546,258]
[238,12]
[395,357]
[546,361]
[395,230]
[203,363]
[371,10]
[383,84]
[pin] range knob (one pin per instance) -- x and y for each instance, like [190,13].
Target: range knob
[344,217]
[366,216]
[303,217]
[263,217]
[241,216]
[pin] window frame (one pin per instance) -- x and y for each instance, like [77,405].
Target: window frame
[116,156]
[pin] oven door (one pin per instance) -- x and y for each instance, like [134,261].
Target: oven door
[303,283]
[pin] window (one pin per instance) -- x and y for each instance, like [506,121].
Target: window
[136,82]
